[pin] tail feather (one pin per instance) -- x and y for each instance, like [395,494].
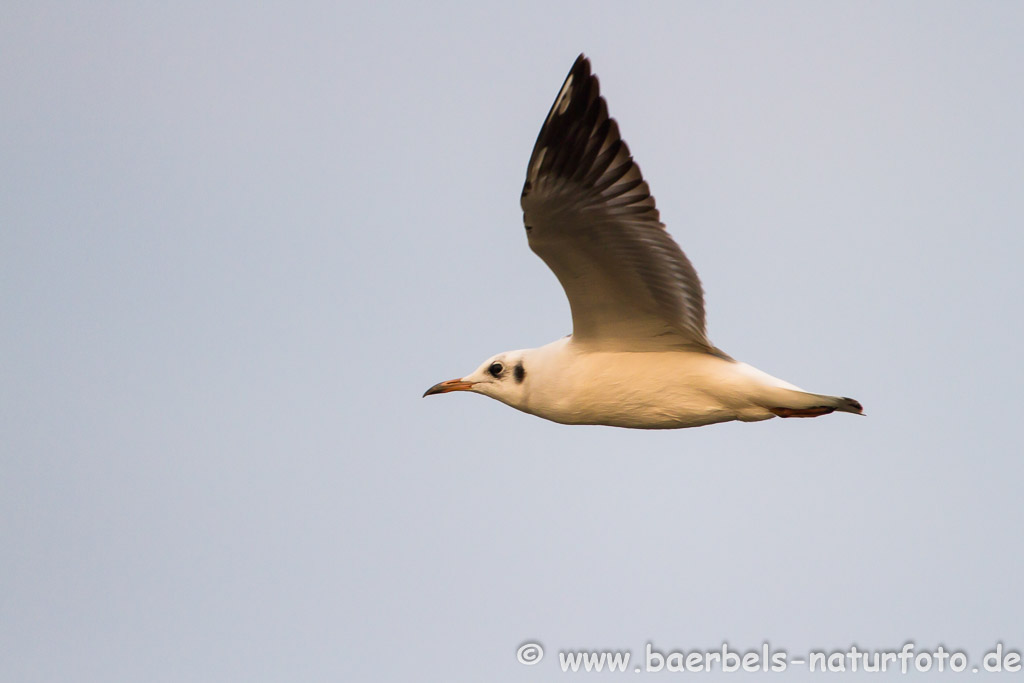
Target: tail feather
[802,404]
[850,405]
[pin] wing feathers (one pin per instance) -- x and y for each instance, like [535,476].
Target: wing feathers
[593,220]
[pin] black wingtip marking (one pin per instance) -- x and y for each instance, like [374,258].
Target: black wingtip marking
[580,143]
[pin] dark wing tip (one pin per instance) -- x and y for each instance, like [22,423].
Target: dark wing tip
[581,65]
[577,111]
[580,142]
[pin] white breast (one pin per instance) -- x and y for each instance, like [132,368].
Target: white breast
[655,390]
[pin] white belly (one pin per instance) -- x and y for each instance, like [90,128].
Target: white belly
[648,390]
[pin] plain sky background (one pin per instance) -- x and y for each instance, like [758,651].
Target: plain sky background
[238,242]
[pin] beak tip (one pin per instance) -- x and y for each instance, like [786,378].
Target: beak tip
[445,387]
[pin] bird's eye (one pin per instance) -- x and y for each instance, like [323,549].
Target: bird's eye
[496,369]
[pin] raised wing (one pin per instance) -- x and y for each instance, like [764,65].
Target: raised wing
[590,216]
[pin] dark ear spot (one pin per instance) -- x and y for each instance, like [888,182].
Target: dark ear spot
[520,372]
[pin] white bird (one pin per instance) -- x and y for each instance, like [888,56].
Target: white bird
[638,355]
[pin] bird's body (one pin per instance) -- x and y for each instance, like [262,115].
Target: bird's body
[568,382]
[639,355]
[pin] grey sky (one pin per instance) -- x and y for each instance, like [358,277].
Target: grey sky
[237,243]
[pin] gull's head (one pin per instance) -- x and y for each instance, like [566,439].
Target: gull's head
[502,377]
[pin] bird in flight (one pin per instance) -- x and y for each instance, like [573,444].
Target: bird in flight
[638,355]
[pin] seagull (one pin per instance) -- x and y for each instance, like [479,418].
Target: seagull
[638,355]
